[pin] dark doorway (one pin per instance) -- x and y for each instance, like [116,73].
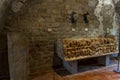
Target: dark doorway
[4,66]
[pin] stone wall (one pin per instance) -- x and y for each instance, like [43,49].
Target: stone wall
[45,21]
[4,4]
[117,9]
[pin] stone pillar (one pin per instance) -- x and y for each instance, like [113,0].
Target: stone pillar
[104,60]
[71,66]
[17,54]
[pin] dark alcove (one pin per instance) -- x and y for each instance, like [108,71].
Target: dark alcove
[4,66]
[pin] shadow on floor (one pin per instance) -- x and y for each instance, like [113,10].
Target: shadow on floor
[63,72]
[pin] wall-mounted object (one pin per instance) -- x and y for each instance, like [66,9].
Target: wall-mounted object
[108,30]
[73,29]
[49,29]
[86,29]
[73,17]
[86,18]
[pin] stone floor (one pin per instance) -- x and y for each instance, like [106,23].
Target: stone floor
[103,73]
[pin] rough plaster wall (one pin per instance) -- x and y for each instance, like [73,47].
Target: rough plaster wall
[44,21]
[105,12]
[118,17]
[117,9]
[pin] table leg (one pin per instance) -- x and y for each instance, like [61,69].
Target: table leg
[71,66]
[104,60]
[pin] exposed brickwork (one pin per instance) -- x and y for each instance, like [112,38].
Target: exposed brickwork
[37,17]
[44,21]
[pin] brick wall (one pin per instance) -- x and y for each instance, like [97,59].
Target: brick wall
[45,21]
